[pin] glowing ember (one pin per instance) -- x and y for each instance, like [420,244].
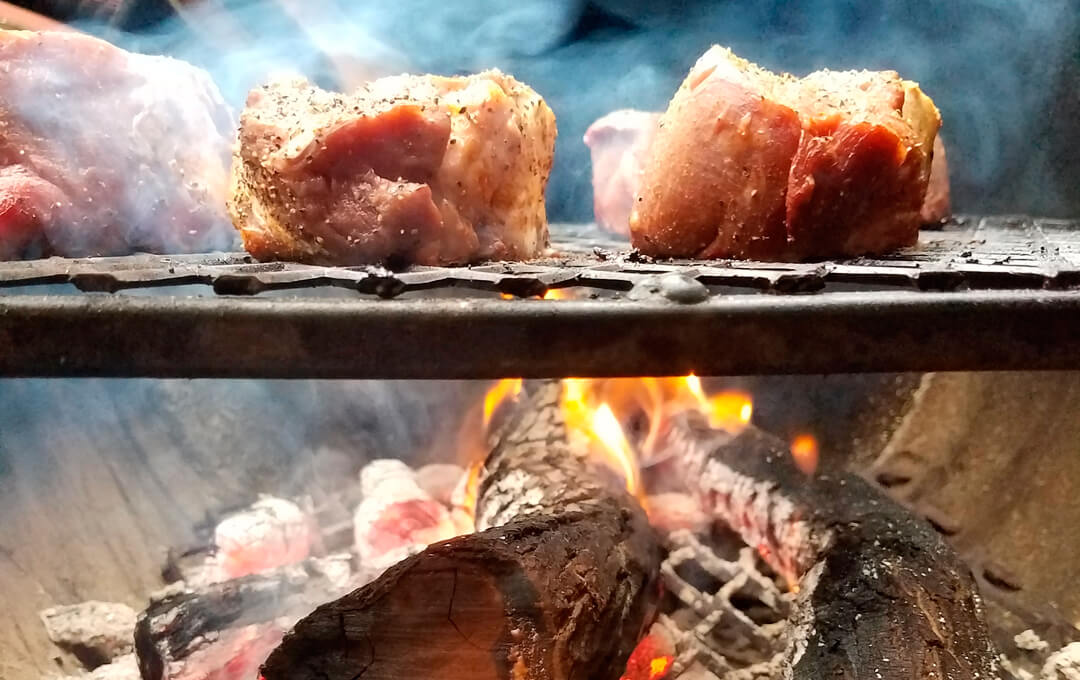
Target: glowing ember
[271,533]
[651,659]
[804,451]
[658,667]
[556,294]
[507,388]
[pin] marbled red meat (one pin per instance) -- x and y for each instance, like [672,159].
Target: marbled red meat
[751,164]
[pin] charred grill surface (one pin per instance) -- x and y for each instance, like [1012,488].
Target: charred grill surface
[983,294]
[881,595]
[558,583]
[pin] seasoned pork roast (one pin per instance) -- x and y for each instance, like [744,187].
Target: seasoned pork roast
[409,169]
[105,152]
[752,164]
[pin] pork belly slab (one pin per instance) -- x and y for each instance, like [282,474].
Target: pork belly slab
[105,152]
[409,169]
[751,164]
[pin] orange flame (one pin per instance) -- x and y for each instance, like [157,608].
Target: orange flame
[609,432]
[730,410]
[472,488]
[507,388]
[599,426]
[804,451]
[556,294]
[597,409]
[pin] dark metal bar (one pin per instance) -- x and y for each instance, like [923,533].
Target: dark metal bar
[988,252]
[115,335]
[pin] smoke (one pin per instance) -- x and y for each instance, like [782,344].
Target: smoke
[1003,72]
[104,173]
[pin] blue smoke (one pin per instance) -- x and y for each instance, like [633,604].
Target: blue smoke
[1005,73]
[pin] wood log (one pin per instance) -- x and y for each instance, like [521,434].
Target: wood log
[881,596]
[559,582]
[192,633]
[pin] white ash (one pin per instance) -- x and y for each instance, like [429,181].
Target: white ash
[96,630]
[271,533]
[125,667]
[709,630]
[1063,664]
[1012,669]
[752,508]
[1030,641]
[396,517]
[672,511]
[440,480]
[390,478]
[336,568]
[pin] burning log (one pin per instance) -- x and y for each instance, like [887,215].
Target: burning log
[560,582]
[224,630]
[881,595]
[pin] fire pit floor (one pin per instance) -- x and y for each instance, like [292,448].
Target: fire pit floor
[980,294]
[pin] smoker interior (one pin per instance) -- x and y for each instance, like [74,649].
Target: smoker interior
[101,477]
[989,293]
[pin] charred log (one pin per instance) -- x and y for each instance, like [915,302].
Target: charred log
[558,583]
[881,595]
[188,633]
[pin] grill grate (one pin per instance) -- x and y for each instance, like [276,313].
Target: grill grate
[999,252]
[982,293]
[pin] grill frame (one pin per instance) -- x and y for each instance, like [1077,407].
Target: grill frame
[982,294]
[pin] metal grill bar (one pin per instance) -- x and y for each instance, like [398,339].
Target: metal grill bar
[1000,252]
[939,306]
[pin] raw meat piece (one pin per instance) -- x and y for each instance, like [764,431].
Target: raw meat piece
[617,144]
[419,169]
[105,152]
[751,164]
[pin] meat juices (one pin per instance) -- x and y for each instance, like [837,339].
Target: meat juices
[409,169]
[751,164]
[105,152]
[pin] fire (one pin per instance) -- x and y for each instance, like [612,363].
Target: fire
[658,667]
[468,489]
[610,433]
[556,294]
[731,410]
[507,388]
[804,451]
[651,659]
[597,410]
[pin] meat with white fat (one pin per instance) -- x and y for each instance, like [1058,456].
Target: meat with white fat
[412,169]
